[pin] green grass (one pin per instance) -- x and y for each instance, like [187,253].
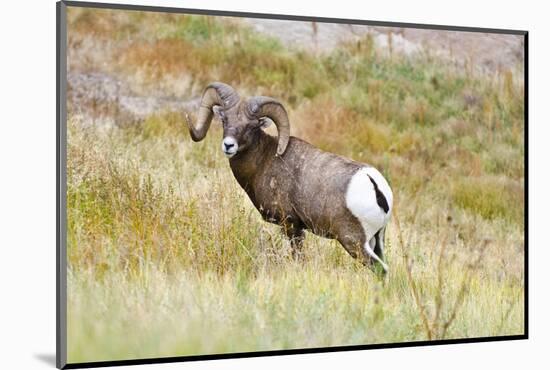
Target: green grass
[168,257]
[491,198]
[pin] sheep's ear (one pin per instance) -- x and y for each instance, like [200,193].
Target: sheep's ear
[265,122]
[218,111]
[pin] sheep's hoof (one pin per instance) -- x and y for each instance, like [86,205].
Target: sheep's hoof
[379,271]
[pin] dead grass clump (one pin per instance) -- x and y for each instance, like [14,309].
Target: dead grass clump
[324,123]
[462,161]
[455,128]
[102,23]
[164,123]
[419,111]
[162,58]
[407,142]
[506,160]
[339,129]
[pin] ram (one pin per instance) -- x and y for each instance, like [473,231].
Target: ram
[294,184]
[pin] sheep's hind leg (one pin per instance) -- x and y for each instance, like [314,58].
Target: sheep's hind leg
[296,235]
[353,245]
[364,253]
[377,263]
[379,243]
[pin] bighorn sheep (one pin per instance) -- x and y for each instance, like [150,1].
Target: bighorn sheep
[294,184]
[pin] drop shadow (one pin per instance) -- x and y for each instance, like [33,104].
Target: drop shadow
[47,358]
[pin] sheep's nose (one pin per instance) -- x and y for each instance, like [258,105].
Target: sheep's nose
[230,146]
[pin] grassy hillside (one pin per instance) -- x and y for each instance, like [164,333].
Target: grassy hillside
[168,257]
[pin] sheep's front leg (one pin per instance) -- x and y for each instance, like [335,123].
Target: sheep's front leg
[296,235]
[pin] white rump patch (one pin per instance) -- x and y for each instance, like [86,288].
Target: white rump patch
[361,201]
[383,185]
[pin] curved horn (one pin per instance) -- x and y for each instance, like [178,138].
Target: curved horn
[216,93]
[261,106]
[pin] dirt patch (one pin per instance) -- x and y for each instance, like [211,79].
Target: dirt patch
[102,98]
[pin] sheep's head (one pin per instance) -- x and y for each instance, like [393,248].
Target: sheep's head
[240,118]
